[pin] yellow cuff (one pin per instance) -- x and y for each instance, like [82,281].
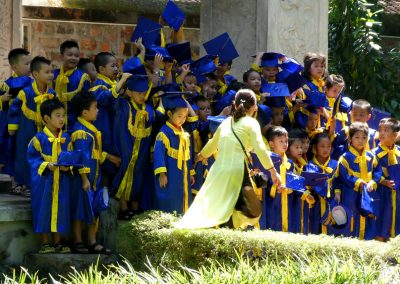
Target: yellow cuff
[1,104]
[256,67]
[13,127]
[103,157]
[194,191]
[357,184]
[273,191]
[192,118]
[160,170]
[114,92]
[192,172]
[161,109]
[42,167]
[141,59]
[84,171]
[338,191]
[374,185]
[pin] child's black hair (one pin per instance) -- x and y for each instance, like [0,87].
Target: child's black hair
[102,59]
[358,127]
[393,123]
[361,105]
[247,73]
[47,107]
[37,62]
[82,101]
[319,137]
[211,76]
[334,80]
[83,62]
[275,131]
[197,99]
[235,86]
[68,44]
[297,134]
[15,54]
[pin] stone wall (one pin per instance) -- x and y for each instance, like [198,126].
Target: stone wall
[43,37]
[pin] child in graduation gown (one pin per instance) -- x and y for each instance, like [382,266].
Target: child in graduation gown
[132,137]
[321,163]
[19,60]
[24,119]
[173,169]
[69,80]
[50,183]
[87,138]
[358,168]
[388,154]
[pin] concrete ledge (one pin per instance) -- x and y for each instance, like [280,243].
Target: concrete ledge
[15,208]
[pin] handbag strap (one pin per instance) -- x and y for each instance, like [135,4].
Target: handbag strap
[241,144]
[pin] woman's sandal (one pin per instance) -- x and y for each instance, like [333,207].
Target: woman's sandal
[98,248]
[124,215]
[47,248]
[80,248]
[60,248]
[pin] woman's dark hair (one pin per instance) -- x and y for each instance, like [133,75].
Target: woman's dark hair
[244,100]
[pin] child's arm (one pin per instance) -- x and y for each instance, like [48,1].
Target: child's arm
[377,175]
[346,177]
[81,141]
[36,160]
[14,113]
[160,151]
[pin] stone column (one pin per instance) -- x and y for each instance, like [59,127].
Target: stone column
[293,27]
[10,32]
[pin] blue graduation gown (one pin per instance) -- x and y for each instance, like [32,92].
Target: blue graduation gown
[172,156]
[50,190]
[388,215]
[132,140]
[352,169]
[86,138]
[67,85]
[24,116]
[322,194]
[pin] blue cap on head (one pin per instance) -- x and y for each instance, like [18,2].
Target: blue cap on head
[172,97]
[152,50]
[271,59]
[131,64]
[148,30]
[275,90]
[222,46]
[137,83]
[264,115]
[203,66]
[173,15]
[215,122]
[181,52]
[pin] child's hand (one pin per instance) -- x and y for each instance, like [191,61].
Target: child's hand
[388,183]
[198,158]
[6,97]
[85,183]
[186,68]
[163,179]
[51,167]
[12,132]
[192,180]
[362,184]
[139,44]
[337,197]
[226,111]
[64,169]
[158,60]
[370,186]
[310,199]
[125,76]
[114,159]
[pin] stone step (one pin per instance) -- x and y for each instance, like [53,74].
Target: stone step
[62,264]
[5,183]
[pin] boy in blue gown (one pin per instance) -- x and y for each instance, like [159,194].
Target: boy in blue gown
[69,80]
[24,119]
[19,60]
[86,138]
[50,183]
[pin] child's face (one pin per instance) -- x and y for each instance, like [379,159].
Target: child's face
[222,69]
[22,67]
[178,117]
[254,81]
[323,148]
[111,69]
[70,57]
[296,150]
[269,73]
[204,110]
[90,69]
[91,113]
[359,115]
[277,115]
[44,75]
[312,121]
[306,145]
[138,97]
[334,91]
[56,119]
[279,144]
[190,83]
[209,89]
[359,140]
[317,69]
[387,136]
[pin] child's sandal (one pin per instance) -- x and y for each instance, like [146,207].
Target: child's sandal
[80,248]
[17,190]
[124,215]
[60,248]
[47,248]
[98,248]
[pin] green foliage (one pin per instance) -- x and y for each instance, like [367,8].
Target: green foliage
[151,236]
[355,52]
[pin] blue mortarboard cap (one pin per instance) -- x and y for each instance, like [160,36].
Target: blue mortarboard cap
[345,104]
[290,66]
[295,182]
[276,159]
[394,174]
[365,203]
[204,65]
[222,46]
[16,84]
[215,121]
[181,52]
[293,81]
[172,96]
[152,50]
[316,99]
[148,30]
[131,64]
[315,179]
[224,101]
[271,59]
[101,200]
[264,115]
[173,15]
[337,217]
[275,101]
[275,90]
[137,83]
[376,117]
[70,158]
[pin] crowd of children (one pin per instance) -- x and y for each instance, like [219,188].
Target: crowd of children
[133,131]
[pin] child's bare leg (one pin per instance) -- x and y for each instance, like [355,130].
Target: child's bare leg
[92,231]
[77,228]
[123,204]
[56,238]
[135,205]
[44,238]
